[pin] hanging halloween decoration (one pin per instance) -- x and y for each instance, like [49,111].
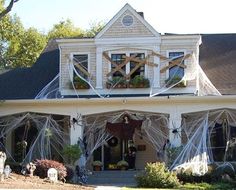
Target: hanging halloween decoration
[125,129]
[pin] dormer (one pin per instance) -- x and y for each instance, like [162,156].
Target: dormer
[126,51]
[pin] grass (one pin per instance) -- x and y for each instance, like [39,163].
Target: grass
[198,186]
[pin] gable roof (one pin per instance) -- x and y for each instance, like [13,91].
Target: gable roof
[26,83]
[119,14]
[218,60]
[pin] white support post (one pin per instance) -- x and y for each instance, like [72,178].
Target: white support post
[76,131]
[99,67]
[175,123]
[156,72]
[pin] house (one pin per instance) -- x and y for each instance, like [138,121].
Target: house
[95,90]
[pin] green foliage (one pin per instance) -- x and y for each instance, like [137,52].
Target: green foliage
[95,28]
[19,47]
[30,46]
[172,154]
[115,81]
[65,29]
[214,174]
[207,186]
[80,83]
[139,81]
[156,175]
[97,163]
[122,163]
[72,153]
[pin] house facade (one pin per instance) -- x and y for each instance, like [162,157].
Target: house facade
[127,70]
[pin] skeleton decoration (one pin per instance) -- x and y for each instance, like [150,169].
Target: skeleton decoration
[31,167]
[3,158]
[52,175]
[7,171]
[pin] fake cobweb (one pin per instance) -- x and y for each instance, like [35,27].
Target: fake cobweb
[209,137]
[193,76]
[38,136]
[154,129]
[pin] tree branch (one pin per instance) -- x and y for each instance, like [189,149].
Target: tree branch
[8,9]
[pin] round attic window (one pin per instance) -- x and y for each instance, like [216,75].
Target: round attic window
[127,20]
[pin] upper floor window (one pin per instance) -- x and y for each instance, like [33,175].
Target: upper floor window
[130,66]
[81,64]
[176,71]
[118,59]
[140,71]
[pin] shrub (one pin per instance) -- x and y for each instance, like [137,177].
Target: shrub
[187,176]
[70,173]
[223,170]
[42,167]
[156,175]
[72,153]
[172,154]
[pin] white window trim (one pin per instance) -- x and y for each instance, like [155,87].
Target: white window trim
[81,53]
[127,68]
[167,55]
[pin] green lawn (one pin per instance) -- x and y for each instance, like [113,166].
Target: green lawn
[199,186]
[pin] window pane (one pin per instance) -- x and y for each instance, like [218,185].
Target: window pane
[176,70]
[82,60]
[118,59]
[140,70]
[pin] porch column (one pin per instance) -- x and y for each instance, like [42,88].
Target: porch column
[76,130]
[175,123]
[99,68]
[156,70]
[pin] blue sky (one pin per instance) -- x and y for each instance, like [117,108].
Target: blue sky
[173,16]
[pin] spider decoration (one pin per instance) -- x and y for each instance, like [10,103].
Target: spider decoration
[176,132]
[76,120]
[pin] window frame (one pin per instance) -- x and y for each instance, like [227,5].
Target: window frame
[80,53]
[167,55]
[127,68]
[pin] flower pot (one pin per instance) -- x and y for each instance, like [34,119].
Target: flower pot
[97,168]
[123,168]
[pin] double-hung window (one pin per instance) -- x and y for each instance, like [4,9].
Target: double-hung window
[118,59]
[176,71]
[81,64]
[140,71]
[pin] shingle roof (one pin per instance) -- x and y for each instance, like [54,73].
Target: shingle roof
[217,58]
[25,83]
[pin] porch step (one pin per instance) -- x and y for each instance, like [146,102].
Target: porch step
[115,178]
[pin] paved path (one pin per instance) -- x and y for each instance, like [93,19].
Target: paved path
[108,188]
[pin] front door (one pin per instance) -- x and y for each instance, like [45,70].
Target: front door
[113,153]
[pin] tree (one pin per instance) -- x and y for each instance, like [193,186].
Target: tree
[95,27]
[6,10]
[65,29]
[30,46]
[10,30]
[19,47]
